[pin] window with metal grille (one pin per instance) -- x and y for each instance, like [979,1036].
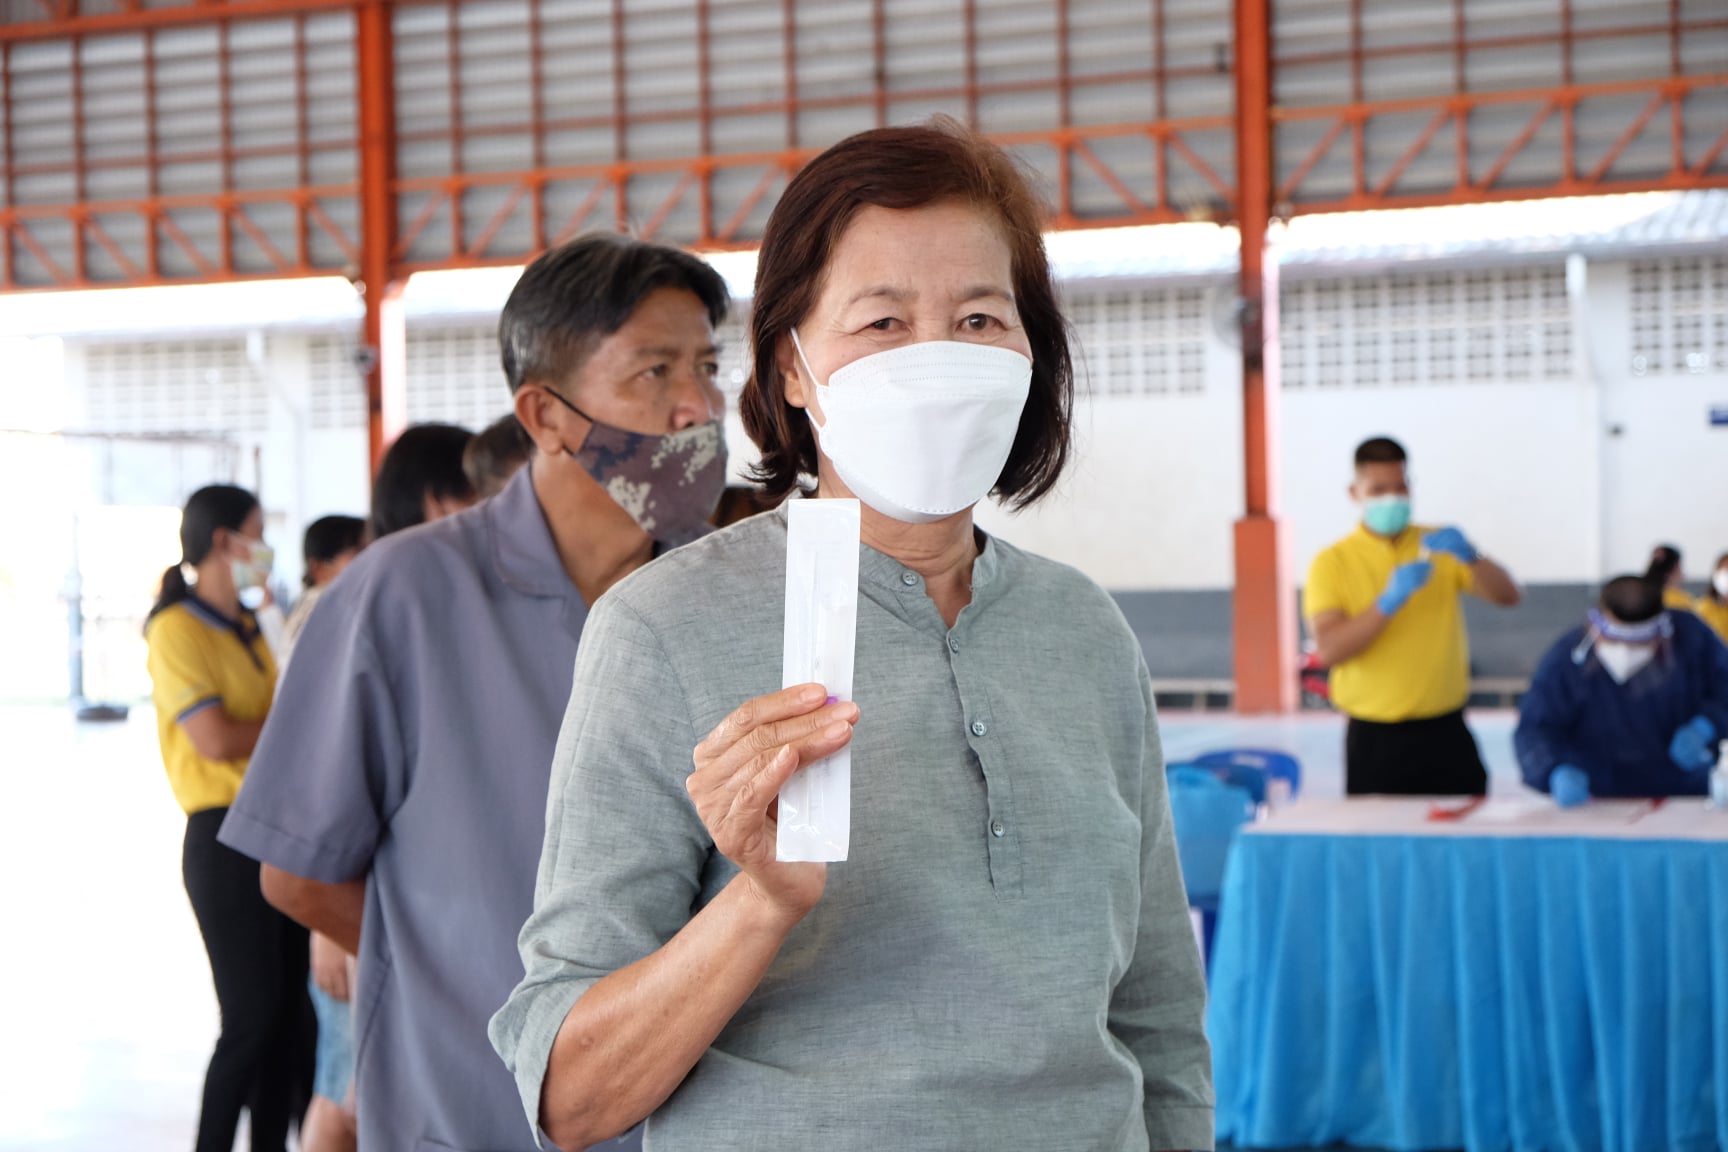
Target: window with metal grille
[1140,341]
[454,376]
[203,386]
[1680,316]
[338,386]
[1488,325]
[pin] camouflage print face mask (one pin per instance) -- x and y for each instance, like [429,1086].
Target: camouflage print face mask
[669,484]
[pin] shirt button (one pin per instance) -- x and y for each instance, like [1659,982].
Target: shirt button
[979,727]
[997,828]
[953,645]
[910,579]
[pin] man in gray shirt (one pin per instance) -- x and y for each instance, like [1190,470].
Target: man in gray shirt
[397,797]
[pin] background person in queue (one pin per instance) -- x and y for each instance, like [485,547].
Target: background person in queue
[494,455]
[421,479]
[1631,703]
[212,676]
[398,798]
[1383,605]
[330,544]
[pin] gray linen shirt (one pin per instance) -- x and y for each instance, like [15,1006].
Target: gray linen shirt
[410,745]
[1005,961]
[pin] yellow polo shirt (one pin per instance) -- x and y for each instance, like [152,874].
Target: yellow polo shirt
[198,659]
[1713,613]
[1420,665]
[1673,597]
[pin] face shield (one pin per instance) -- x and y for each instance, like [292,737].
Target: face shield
[1623,650]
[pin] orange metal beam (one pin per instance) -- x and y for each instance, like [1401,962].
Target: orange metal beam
[8,177]
[1379,190]
[156,215]
[376,81]
[74,24]
[1263,601]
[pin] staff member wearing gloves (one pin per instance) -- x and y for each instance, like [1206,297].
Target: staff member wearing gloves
[1383,605]
[1630,704]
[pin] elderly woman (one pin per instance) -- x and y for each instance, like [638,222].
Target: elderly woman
[1005,960]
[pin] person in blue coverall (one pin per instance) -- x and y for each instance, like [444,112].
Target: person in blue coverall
[1630,704]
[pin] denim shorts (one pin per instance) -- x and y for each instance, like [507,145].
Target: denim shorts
[335,1073]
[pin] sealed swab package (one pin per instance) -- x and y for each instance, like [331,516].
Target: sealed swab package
[821,631]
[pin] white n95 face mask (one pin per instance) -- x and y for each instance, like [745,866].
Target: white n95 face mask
[922,431]
[1623,661]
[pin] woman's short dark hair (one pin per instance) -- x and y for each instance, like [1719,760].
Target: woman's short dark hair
[903,168]
[208,509]
[329,537]
[426,460]
[579,293]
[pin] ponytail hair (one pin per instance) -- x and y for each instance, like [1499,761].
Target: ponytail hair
[1664,562]
[208,509]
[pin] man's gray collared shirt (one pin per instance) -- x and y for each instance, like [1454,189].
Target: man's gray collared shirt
[410,745]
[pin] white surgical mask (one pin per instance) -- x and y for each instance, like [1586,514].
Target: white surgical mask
[1719,581]
[252,574]
[1623,661]
[922,431]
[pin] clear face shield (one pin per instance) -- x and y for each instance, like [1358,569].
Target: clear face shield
[1622,649]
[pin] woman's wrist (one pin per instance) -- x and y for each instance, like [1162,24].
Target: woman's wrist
[763,911]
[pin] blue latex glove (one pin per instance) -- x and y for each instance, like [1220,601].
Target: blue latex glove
[1691,745]
[1406,579]
[1569,786]
[1452,542]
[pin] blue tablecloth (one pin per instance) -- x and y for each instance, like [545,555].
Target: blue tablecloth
[1556,993]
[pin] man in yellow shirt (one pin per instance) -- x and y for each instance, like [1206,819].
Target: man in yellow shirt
[1383,605]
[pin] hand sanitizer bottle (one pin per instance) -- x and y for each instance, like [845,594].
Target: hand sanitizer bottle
[1719,778]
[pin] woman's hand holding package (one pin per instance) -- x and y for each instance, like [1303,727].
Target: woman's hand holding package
[740,769]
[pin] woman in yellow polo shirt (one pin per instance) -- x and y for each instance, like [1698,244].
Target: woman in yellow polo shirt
[213,678]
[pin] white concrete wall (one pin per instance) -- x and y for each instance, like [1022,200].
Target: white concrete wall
[1664,468]
[1534,472]
[300,472]
[1152,493]
[1510,464]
